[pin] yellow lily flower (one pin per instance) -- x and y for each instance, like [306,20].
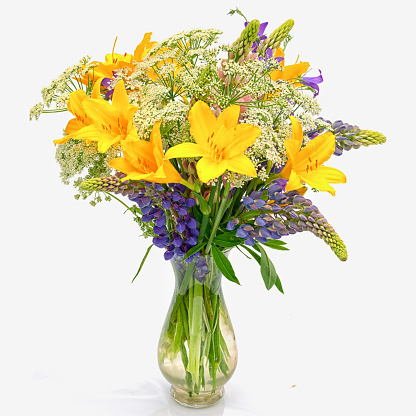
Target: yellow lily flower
[144,160]
[305,166]
[115,61]
[221,142]
[75,106]
[290,72]
[111,122]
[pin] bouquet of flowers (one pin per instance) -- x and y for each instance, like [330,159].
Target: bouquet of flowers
[215,146]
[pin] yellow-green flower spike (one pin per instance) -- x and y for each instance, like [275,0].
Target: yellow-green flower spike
[244,43]
[276,37]
[370,137]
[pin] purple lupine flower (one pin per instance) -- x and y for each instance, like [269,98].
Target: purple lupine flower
[168,255]
[176,196]
[182,210]
[231,224]
[161,242]
[190,202]
[241,232]
[166,203]
[147,217]
[180,225]
[250,241]
[177,241]
[194,232]
[159,230]
[192,241]
[160,221]
[248,201]
[256,194]
[259,203]
[260,221]
[313,82]
[192,223]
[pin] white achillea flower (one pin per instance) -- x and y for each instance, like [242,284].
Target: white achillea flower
[193,36]
[36,111]
[62,100]
[185,68]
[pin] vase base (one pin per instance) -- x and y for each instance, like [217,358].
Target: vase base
[196,401]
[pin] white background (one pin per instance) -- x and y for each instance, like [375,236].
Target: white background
[76,337]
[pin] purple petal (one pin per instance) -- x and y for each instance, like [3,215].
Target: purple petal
[161,242]
[241,233]
[190,202]
[168,255]
[192,223]
[159,230]
[180,227]
[230,225]
[262,28]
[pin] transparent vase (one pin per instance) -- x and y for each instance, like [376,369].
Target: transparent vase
[197,350]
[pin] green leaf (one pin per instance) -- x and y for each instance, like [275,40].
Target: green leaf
[141,264]
[276,245]
[203,205]
[197,214]
[268,272]
[224,264]
[242,252]
[193,250]
[278,284]
[253,253]
[227,239]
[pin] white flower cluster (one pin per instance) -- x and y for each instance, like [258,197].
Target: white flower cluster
[188,38]
[75,156]
[36,111]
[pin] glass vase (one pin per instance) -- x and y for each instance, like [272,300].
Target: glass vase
[197,350]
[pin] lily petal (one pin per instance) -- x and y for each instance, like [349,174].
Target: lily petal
[121,164]
[120,99]
[332,175]
[316,152]
[185,150]
[294,182]
[245,135]
[208,169]
[203,122]
[242,164]
[229,117]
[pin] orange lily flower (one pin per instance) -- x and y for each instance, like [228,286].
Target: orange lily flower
[221,142]
[111,122]
[75,106]
[145,160]
[305,165]
[115,61]
[290,72]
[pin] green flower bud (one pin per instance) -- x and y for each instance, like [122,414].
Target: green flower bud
[246,39]
[370,137]
[276,37]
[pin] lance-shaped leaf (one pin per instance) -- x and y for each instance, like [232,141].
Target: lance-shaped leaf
[224,264]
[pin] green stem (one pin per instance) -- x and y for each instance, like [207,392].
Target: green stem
[218,217]
[121,202]
[205,218]
[196,332]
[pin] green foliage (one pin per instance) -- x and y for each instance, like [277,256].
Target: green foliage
[224,264]
[228,239]
[143,261]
